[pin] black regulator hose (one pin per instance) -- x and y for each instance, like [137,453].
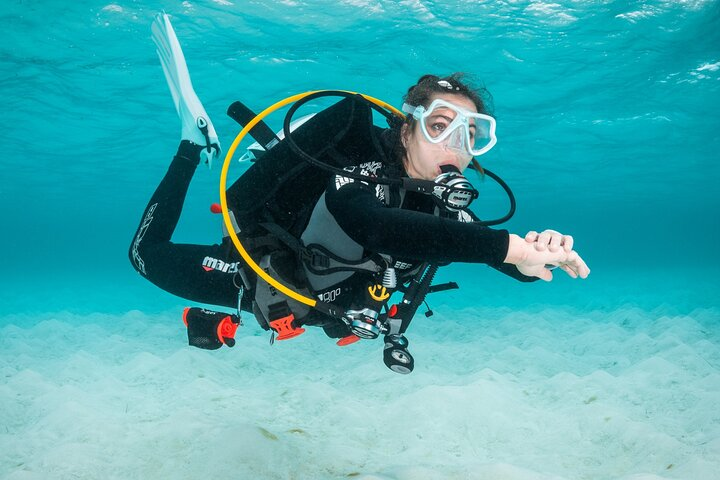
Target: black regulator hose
[510,195]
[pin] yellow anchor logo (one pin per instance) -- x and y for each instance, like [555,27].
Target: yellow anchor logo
[378,293]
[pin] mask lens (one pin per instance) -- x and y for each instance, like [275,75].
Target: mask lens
[481,134]
[437,123]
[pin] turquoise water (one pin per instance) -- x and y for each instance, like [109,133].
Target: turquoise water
[608,130]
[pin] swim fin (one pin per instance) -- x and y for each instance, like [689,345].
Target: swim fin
[196,125]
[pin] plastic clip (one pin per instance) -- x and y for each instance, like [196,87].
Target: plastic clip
[285,329]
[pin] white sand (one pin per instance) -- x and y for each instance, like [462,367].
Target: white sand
[496,394]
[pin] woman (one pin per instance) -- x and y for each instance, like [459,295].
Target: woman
[446,126]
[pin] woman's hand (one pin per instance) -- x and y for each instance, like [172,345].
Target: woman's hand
[550,240]
[534,258]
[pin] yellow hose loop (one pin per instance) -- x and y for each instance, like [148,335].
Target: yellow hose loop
[223,187]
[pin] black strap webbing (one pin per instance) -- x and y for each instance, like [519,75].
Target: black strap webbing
[281,234]
[320,260]
[260,132]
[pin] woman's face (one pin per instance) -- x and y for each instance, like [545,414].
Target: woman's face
[424,159]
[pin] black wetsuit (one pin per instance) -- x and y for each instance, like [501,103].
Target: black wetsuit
[411,234]
[201,273]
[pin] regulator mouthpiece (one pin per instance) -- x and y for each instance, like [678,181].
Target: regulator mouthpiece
[452,190]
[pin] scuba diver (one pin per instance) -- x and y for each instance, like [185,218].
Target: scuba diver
[341,212]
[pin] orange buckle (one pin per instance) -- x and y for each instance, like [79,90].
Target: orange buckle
[226,329]
[349,340]
[284,328]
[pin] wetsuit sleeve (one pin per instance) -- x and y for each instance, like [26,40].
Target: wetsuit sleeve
[409,234]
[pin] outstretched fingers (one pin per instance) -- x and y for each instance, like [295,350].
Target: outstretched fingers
[567,269]
[576,264]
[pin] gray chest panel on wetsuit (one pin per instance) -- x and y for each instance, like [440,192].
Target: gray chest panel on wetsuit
[324,230]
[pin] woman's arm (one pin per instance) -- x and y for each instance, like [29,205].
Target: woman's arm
[409,234]
[403,233]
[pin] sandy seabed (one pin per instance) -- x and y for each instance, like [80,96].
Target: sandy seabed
[552,393]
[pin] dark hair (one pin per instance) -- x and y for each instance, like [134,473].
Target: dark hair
[422,94]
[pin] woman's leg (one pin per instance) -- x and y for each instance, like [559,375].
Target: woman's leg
[202,273]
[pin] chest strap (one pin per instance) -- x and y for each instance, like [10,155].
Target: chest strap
[320,260]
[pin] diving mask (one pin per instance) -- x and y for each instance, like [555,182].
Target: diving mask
[469,133]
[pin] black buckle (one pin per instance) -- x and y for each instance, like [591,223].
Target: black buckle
[316,260]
